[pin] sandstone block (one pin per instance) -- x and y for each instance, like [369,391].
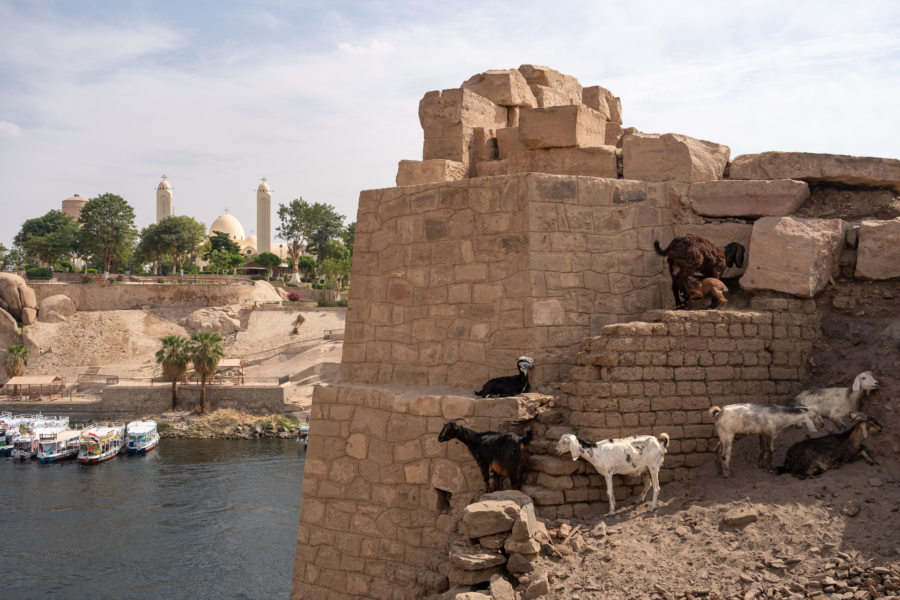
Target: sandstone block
[566,85]
[835,168]
[603,101]
[470,559]
[503,87]
[508,142]
[795,256]
[60,304]
[547,97]
[878,254]
[590,162]
[672,157]
[415,172]
[445,113]
[614,133]
[488,517]
[561,126]
[721,234]
[747,198]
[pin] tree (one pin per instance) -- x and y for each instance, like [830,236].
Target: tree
[107,229]
[336,269]
[268,260]
[306,225]
[49,238]
[334,249]
[15,258]
[174,358]
[14,360]
[205,350]
[308,265]
[329,226]
[219,240]
[349,236]
[225,262]
[178,237]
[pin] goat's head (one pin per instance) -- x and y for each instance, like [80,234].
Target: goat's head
[868,424]
[734,255]
[569,443]
[693,288]
[525,363]
[450,430]
[865,381]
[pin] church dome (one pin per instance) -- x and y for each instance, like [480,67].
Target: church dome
[251,240]
[228,224]
[264,187]
[164,185]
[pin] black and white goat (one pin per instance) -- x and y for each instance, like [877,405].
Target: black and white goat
[510,385]
[764,420]
[626,456]
[838,402]
[808,458]
[500,455]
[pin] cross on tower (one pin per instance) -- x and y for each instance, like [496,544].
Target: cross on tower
[164,177]
[264,180]
[227,210]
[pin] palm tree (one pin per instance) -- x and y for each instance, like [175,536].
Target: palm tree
[174,358]
[206,351]
[14,360]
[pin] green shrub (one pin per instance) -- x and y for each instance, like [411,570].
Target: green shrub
[92,271]
[86,279]
[332,303]
[39,273]
[160,280]
[258,277]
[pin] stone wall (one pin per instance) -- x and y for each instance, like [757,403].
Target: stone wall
[133,296]
[452,282]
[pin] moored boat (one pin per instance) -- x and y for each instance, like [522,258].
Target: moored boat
[303,434]
[101,442]
[142,436]
[54,446]
[26,445]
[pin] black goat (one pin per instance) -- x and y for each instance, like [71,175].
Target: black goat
[498,454]
[814,456]
[511,385]
[690,255]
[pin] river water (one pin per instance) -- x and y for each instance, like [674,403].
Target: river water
[192,519]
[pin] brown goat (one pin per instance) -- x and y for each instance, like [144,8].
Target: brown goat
[690,255]
[708,288]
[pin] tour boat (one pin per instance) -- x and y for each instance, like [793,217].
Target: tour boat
[142,436]
[303,434]
[101,442]
[9,426]
[26,445]
[54,446]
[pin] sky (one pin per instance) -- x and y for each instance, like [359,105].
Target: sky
[321,98]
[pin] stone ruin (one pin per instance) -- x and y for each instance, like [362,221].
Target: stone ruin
[528,229]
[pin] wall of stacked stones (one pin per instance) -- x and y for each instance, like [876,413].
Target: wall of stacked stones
[452,282]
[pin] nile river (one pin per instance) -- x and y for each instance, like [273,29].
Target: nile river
[192,519]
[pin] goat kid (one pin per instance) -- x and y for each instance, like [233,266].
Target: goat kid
[838,402]
[637,454]
[498,455]
[764,420]
[709,287]
[511,385]
[814,456]
[691,254]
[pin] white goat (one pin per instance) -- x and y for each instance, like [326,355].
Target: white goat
[764,420]
[636,454]
[837,403]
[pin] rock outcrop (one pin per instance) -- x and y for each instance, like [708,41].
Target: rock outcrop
[8,329]
[55,309]
[16,296]
[223,321]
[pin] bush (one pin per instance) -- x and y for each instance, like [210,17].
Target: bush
[92,271]
[39,273]
[120,278]
[332,303]
[161,280]
[86,279]
[258,277]
[294,297]
[289,284]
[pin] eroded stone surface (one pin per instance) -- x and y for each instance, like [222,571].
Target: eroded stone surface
[878,254]
[60,304]
[415,172]
[505,87]
[838,168]
[565,86]
[672,157]
[590,162]
[561,127]
[603,101]
[489,517]
[747,198]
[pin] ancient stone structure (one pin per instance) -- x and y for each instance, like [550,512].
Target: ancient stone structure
[528,228]
[164,202]
[264,217]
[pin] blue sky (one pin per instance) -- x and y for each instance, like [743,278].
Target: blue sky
[322,97]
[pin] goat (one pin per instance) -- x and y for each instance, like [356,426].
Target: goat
[814,456]
[837,403]
[709,287]
[512,385]
[764,420]
[690,254]
[497,454]
[636,454]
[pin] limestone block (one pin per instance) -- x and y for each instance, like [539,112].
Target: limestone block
[672,157]
[29,316]
[415,172]
[470,559]
[488,517]
[836,168]
[548,311]
[565,85]
[216,320]
[878,255]
[590,162]
[721,234]
[484,144]
[508,141]
[505,87]
[748,198]
[794,256]
[60,304]
[561,126]
[603,101]
[448,476]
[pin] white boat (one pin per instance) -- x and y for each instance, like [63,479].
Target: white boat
[26,445]
[8,433]
[142,436]
[303,435]
[54,446]
[101,442]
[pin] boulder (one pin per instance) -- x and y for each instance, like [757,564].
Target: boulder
[60,304]
[526,546]
[878,254]
[526,525]
[520,563]
[721,234]
[10,297]
[470,559]
[747,198]
[672,157]
[516,496]
[538,587]
[51,317]
[836,168]
[27,297]
[603,101]
[9,329]
[263,291]
[29,315]
[565,85]
[505,87]
[501,589]
[488,517]
[415,172]
[590,162]
[739,518]
[794,256]
[561,127]
[223,321]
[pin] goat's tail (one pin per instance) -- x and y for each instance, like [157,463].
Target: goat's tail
[715,411]
[665,440]
[528,434]
[659,250]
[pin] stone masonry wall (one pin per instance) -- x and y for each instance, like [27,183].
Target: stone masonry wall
[453,281]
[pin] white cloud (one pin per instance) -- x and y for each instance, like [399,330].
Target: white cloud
[9,130]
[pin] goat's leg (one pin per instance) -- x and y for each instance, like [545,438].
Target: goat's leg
[654,477]
[609,492]
[766,449]
[865,455]
[645,479]
[726,455]
[676,292]
[486,475]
